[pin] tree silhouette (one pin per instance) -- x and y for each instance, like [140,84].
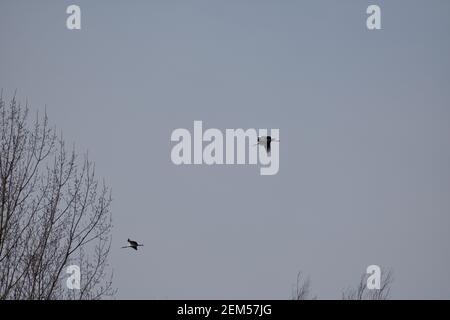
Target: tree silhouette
[361,292]
[302,288]
[53,213]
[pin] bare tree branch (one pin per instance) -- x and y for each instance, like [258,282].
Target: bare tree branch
[361,292]
[302,289]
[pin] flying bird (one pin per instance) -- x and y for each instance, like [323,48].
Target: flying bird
[133,244]
[266,142]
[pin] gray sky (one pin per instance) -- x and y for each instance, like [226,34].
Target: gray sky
[364,119]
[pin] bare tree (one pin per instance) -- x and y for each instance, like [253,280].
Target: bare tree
[302,289]
[361,292]
[53,213]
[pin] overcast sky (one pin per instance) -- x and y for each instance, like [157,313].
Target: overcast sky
[364,120]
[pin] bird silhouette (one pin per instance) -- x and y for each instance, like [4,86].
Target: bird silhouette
[133,244]
[266,141]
